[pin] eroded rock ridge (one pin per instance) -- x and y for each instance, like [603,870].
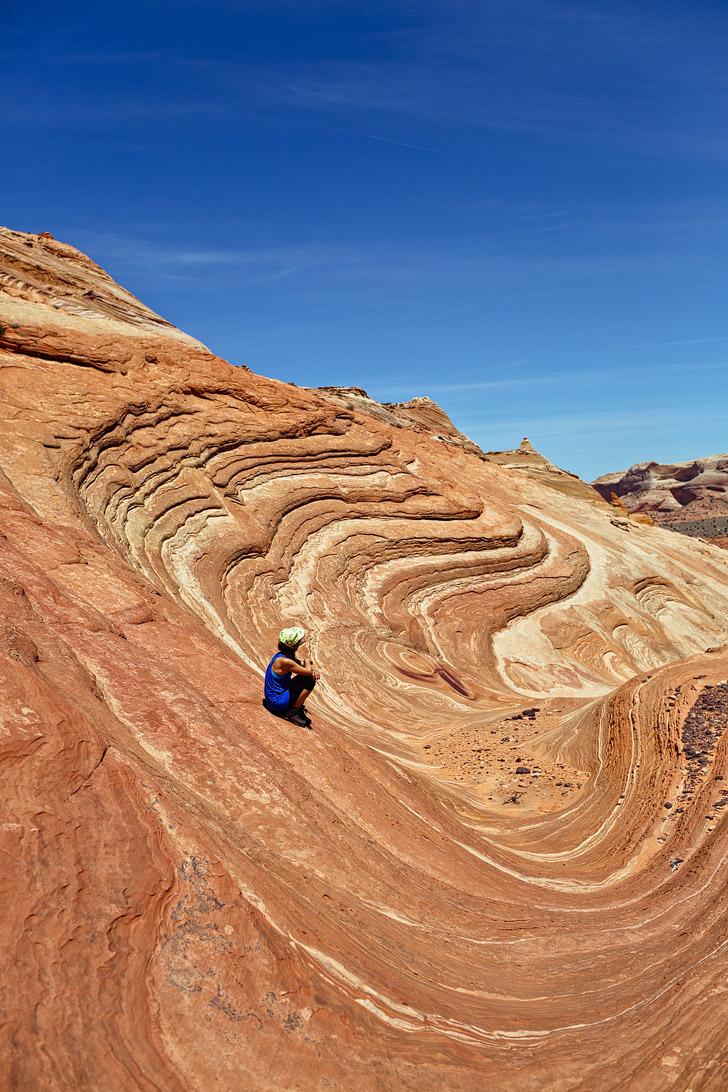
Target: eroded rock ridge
[497,862]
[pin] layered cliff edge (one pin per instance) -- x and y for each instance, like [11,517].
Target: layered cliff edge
[498,859]
[690,497]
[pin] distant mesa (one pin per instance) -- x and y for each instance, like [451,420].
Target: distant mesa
[690,497]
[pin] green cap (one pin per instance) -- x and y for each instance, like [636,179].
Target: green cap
[291,636]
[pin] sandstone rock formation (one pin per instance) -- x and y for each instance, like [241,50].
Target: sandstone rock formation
[531,462]
[690,497]
[419,414]
[497,862]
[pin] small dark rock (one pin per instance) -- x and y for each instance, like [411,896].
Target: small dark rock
[522,769]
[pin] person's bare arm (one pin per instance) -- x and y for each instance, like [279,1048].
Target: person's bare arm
[285,666]
[312,669]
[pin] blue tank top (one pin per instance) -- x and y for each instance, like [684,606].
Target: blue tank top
[277,686]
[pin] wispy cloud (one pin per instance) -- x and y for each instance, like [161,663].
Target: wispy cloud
[404,144]
[430,264]
[116,113]
[593,424]
[665,344]
[571,382]
[253,266]
[452,72]
[425,91]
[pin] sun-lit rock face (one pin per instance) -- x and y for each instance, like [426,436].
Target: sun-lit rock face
[467,876]
[690,497]
[532,463]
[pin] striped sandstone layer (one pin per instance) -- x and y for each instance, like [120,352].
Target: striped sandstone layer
[199,896]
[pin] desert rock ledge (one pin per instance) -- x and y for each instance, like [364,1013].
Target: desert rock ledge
[467,877]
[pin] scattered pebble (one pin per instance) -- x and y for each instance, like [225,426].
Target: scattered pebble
[477,754]
[703,727]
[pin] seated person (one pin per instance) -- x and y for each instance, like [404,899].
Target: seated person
[288,680]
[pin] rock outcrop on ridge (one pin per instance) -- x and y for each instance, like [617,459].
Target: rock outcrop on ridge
[690,497]
[419,414]
[531,462]
[498,860]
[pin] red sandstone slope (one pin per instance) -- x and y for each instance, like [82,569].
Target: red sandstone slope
[198,896]
[690,497]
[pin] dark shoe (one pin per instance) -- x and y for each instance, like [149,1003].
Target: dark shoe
[295,718]
[304,713]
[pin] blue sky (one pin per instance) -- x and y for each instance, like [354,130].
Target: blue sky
[516,207]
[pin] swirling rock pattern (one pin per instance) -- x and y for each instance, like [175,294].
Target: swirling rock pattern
[497,862]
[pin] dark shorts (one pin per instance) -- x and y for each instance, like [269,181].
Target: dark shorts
[299,683]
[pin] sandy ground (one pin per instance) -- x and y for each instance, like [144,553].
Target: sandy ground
[502,761]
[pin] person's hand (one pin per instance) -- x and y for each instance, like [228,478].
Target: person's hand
[315,675]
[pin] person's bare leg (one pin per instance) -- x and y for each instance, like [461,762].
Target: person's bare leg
[301,699]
